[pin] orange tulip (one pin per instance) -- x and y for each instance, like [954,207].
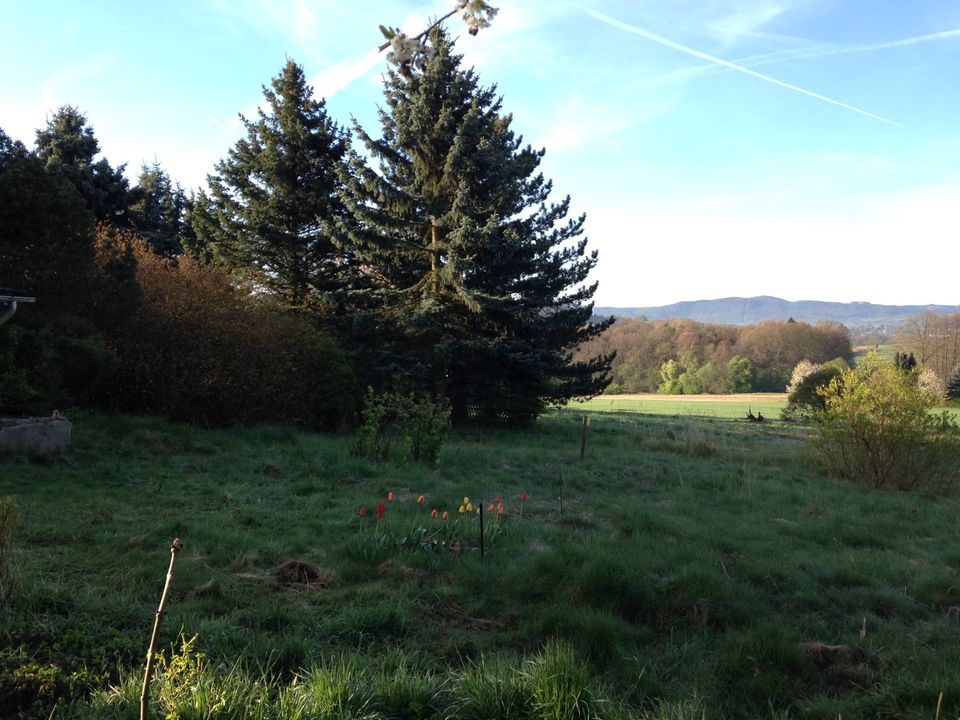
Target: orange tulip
[421,500]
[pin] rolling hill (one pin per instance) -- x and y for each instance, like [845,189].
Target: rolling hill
[744,311]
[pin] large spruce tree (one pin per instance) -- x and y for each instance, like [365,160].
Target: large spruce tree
[157,210]
[477,282]
[68,147]
[269,199]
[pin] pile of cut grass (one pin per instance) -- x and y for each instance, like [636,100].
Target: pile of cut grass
[698,565]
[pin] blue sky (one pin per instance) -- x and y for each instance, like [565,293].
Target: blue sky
[808,149]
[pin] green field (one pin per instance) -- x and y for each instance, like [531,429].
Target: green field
[689,567]
[718,406]
[703,406]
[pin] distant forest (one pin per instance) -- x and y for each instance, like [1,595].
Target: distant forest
[680,356]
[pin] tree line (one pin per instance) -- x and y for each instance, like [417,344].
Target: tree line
[426,257]
[685,356]
[934,341]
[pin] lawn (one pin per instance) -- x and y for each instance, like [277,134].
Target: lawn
[688,567]
[719,406]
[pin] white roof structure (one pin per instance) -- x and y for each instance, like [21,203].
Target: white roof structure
[9,299]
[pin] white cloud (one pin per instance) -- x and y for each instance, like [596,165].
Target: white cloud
[343,74]
[888,248]
[579,121]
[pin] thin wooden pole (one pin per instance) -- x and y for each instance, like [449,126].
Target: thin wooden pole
[175,547]
[481,529]
[583,436]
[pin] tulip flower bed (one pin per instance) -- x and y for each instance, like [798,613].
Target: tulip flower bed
[439,530]
[685,568]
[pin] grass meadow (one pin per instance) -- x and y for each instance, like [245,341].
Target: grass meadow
[693,565]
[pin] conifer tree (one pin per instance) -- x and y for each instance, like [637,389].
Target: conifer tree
[269,199]
[157,210]
[477,281]
[68,147]
[46,232]
[953,385]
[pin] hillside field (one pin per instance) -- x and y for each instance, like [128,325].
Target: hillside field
[718,406]
[689,567]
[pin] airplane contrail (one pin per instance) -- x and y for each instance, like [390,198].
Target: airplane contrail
[727,64]
[814,53]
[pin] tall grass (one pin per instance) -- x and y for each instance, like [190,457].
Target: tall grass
[694,565]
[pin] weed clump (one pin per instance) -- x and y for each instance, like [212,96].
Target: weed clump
[414,424]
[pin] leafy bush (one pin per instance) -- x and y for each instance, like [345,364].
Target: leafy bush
[201,352]
[876,428]
[56,364]
[806,400]
[417,423]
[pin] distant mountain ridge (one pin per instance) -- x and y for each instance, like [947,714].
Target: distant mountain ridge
[744,311]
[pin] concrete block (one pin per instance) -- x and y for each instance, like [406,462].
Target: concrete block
[35,437]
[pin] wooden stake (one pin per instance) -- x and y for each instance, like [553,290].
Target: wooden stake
[583,436]
[175,547]
[481,529]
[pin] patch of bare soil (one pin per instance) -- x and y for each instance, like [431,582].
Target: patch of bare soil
[840,665]
[298,572]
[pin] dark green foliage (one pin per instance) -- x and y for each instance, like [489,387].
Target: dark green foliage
[740,371]
[905,362]
[46,232]
[157,210]
[476,279]
[68,148]
[414,422]
[806,400]
[53,354]
[953,386]
[56,364]
[272,196]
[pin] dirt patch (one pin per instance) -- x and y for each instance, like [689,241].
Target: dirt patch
[294,573]
[824,655]
[211,588]
[840,666]
[269,470]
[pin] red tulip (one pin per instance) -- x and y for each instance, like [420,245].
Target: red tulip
[500,509]
[523,497]
[390,497]
[490,508]
[421,500]
[363,511]
[381,510]
[433,513]
[445,514]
